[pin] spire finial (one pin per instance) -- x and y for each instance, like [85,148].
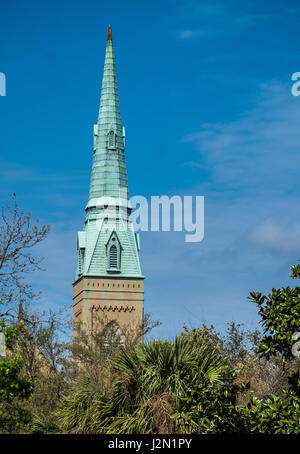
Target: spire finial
[109,35]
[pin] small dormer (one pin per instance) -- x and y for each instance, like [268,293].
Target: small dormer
[113,253]
[111,140]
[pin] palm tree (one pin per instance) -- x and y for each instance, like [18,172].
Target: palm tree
[148,383]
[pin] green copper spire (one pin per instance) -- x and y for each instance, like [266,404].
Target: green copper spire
[108,245]
[109,168]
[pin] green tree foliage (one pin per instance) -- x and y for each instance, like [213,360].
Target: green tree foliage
[212,408]
[191,385]
[275,415]
[147,385]
[18,235]
[280,317]
[47,360]
[14,386]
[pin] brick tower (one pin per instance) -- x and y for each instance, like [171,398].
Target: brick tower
[109,283]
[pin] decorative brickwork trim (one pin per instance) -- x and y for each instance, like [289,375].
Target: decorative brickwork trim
[113,308]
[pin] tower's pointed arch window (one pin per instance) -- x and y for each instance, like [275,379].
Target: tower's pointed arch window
[112,335]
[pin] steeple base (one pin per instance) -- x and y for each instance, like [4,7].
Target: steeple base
[100,301]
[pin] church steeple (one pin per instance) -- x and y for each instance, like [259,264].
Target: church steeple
[108,279]
[108,182]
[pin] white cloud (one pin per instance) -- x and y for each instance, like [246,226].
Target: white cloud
[226,17]
[188,34]
[272,235]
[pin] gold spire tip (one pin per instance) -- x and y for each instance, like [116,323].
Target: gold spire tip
[109,35]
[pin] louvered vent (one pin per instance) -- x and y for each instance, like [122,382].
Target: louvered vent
[113,257]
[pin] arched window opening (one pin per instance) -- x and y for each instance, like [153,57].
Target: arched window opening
[113,256]
[111,139]
[113,251]
[112,335]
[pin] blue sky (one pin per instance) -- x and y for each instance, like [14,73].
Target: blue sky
[205,95]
